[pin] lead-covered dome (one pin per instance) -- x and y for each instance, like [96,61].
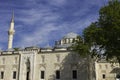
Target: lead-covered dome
[67,40]
[71,35]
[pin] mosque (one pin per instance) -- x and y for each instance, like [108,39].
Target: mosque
[52,63]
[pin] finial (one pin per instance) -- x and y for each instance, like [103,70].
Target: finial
[12,16]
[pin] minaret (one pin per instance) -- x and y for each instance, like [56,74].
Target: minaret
[11,32]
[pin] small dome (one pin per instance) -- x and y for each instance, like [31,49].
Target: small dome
[48,47]
[71,35]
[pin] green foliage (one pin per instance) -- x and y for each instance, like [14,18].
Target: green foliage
[109,22]
[105,32]
[80,47]
[16,49]
[91,34]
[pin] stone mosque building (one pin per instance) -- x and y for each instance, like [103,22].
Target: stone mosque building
[57,63]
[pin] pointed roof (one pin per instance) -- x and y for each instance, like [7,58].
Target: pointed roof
[12,20]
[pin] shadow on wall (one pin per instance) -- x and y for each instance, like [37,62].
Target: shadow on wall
[73,67]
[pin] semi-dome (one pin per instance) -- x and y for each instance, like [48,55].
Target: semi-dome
[71,35]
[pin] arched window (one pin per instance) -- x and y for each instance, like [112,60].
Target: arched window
[42,72]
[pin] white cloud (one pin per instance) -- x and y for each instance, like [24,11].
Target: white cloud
[57,2]
[45,22]
[39,36]
[37,22]
[35,15]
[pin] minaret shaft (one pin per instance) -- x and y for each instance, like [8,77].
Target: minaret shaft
[10,41]
[12,26]
[11,32]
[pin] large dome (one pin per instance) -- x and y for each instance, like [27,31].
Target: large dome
[71,35]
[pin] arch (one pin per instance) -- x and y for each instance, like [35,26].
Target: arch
[14,68]
[42,66]
[57,66]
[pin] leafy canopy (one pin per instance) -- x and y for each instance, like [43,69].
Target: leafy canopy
[103,34]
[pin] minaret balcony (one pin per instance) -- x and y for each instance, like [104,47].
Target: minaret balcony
[11,32]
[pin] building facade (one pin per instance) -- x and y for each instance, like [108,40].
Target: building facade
[38,64]
[57,63]
[107,71]
[34,63]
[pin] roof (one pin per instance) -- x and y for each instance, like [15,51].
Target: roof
[64,45]
[71,35]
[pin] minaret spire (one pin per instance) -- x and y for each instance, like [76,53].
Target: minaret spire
[12,20]
[11,32]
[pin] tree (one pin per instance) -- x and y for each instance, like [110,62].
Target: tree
[109,23]
[16,49]
[101,38]
[91,36]
[103,35]
[80,47]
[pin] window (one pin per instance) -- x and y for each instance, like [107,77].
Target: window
[42,74]
[74,74]
[118,76]
[2,75]
[27,78]
[71,40]
[14,74]
[57,74]
[103,76]
[66,40]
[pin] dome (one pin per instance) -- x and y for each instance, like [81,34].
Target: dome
[71,35]
[48,47]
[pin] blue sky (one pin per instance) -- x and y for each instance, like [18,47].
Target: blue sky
[41,22]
